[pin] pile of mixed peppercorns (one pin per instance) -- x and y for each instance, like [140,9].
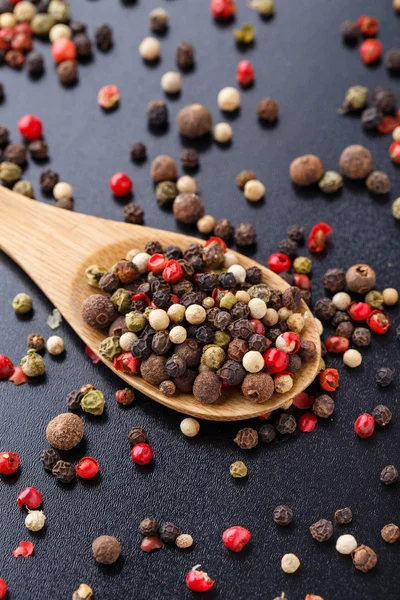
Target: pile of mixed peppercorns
[371,49]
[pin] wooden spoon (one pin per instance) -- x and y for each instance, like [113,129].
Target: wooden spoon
[55,246]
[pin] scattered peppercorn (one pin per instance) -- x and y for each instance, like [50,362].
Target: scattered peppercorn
[194,121]
[378,183]
[343,516]
[356,162]
[48,179]
[138,152]
[364,558]
[190,158]
[238,470]
[371,118]
[267,110]
[382,415]
[104,37]
[49,458]
[185,55]
[306,170]
[322,530]
[389,475]
[157,114]
[106,549]
[133,213]
[246,438]
[390,533]
[169,532]
[286,424]
[65,431]
[64,471]
[283,515]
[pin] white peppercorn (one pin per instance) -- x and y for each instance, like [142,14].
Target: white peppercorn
[253,361]
[271,317]
[254,190]
[62,190]
[84,592]
[24,11]
[150,49]
[352,358]
[345,544]
[186,185]
[290,563]
[283,384]
[35,520]
[239,273]
[222,133]
[176,313]
[295,322]
[396,134]
[158,319]
[258,308]
[230,259]
[59,31]
[396,208]
[55,345]
[195,314]
[126,340]
[206,224]
[140,261]
[242,296]
[171,82]
[390,296]
[229,99]
[178,334]
[7,20]
[284,313]
[190,427]
[184,540]
[341,300]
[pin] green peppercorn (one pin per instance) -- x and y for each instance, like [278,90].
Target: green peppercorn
[246,34]
[374,299]
[42,23]
[356,99]
[25,188]
[32,364]
[228,301]
[331,182]
[109,347]
[93,402]
[22,303]
[261,291]
[122,300]
[135,321]
[238,469]
[265,8]
[302,264]
[222,338]
[59,10]
[10,172]
[213,356]
[93,275]
[166,192]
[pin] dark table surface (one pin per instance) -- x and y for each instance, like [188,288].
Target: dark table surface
[299,60]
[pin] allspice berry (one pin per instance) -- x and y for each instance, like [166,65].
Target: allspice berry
[188,208]
[306,170]
[356,162]
[163,168]
[360,278]
[106,549]
[258,387]
[153,369]
[98,311]
[65,431]
[194,121]
[207,387]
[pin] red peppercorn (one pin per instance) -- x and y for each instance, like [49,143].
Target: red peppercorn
[302,281]
[30,127]
[9,463]
[156,263]
[121,184]
[87,467]
[108,96]
[173,271]
[198,581]
[258,326]
[359,311]
[125,397]
[371,51]
[369,26]
[329,380]
[6,36]
[394,152]
[63,49]
[303,400]
[24,549]
[307,423]
[174,299]
[364,426]
[23,28]
[142,296]
[142,454]
[127,363]
[275,360]
[18,376]
[236,538]
[317,237]
[265,416]
[289,342]
[337,343]
[245,73]
[6,367]
[215,239]
[223,9]
[22,41]
[93,357]
[3,589]
[378,322]
[388,124]
[29,497]
[279,262]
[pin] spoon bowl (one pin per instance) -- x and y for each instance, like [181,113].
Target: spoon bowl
[54,247]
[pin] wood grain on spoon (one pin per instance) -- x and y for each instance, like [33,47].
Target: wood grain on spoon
[55,246]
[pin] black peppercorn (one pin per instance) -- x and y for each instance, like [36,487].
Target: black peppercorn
[76,27]
[169,532]
[64,471]
[137,435]
[392,60]
[141,348]
[307,350]
[334,280]
[237,349]
[283,515]
[190,351]
[49,458]
[175,366]
[138,152]
[286,423]
[161,299]
[258,343]
[291,298]
[157,114]
[296,233]
[322,530]
[83,46]
[182,287]
[222,320]
[153,247]
[207,282]
[371,117]
[253,275]
[223,229]
[149,526]
[295,363]
[213,256]
[173,252]
[185,55]
[275,300]
[245,234]
[343,516]
[67,72]
[35,63]
[389,475]
[340,316]
[240,311]
[190,158]
[325,309]
[4,135]
[384,376]
[266,433]
[385,99]
[134,213]
[288,277]
[204,335]
[16,153]
[48,179]
[36,342]
[345,329]
[246,438]
[39,150]
[104,37]
[361,337]
[194,256]
[382,415]
[74,400]
[109,283]
[273,334]
[241,328]
[231,372]
[350,31]
[288,247]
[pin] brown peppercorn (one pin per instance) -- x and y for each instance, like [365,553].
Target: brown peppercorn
[67,72]
[325,309]
[190,158]
[223,229]
[153,369]
[133,213]
[104,37]
[39,150]
[65,431]
[288,247]
[98,311]
[77,27]
[237,349]
[267,110]
[15,59]
[231,373]
[106,549]
[389,475]
[36,342]
[188,208]
[213,255]
[343,516]
[109,283]
[35,64]
[137,435]
[243,177]
[194,121]
[295,363]
[207,387]
[291,298]
[245,234]
[306,170]
[163,168]
[385,99]
[168,388]
[253,275]
[64,471]
[65,203]
[356,162]
[384,376]
[15,153]
[83,46]
[382,415]
[345,329]
[322,530]
[360,278]
[392,60]
[48,179]
[364,558]
[361,337]
[283,515]
[149,526]
[184,383]
[74,400]
[307,350]
[267,433]
[334,280]
[126,271]
[157,114]
[350,31]
[258,387]
[339,317]
[378,183]
[49,458]
[323,406]
[257,342]
[296,233]
[390,533]
[286,423]
[160,343]
[190,352]
[246,438]
[169,532]
[185,55]
[138,152]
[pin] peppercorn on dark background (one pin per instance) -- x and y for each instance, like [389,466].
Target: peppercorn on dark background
[301,62]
